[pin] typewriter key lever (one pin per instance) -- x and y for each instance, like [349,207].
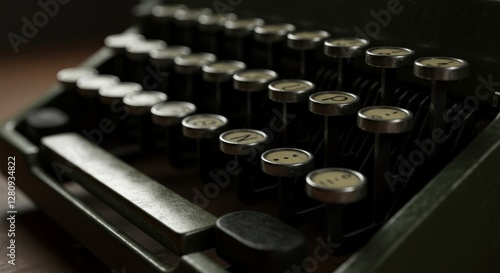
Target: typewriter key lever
[344,49]
[169,115]
[439,70]
[240,29]
[190,66]
[118,43]
[253,81]
[333,105]
[253,241]
[220,72]
[204,128]
[288,165]
[246,145]
[289,91]
[138,52]
[163,60]
[337,187]
[383,121]
[305,41]
[389,59]
[271,35]
[139,106]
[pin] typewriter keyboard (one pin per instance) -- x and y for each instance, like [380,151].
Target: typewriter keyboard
[240,145]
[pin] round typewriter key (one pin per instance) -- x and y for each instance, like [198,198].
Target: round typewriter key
[205,128]
[306,40]
[112,92]
[219,72]
[191,66]
[389,58]
[118,42]
[171,112]
[303,41]
[288,165]
[272,34]
[189,17]
[192,63]
[164,57]
[253,80]
[336,185]
[138,50]
[164,15]
[333,105]
[214,22]
[242,27]
[441,69]
[88,86]
[69,76]
[242,141]
[383,120]
[239,30]
[438,70]
[87,104]
[186,20]
[141,103]
[203,125]
[250,81]
[287,162]
[343,49]
[181,152]
[246,145]
[289,91]
[346,47]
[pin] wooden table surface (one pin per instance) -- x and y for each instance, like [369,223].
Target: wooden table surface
[41,246]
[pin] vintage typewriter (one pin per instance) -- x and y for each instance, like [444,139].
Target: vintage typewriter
[260,136]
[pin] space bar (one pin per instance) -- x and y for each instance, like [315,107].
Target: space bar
[167,217]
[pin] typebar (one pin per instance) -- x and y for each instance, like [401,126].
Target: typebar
[172,220]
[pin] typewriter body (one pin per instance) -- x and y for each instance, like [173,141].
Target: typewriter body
[444,210]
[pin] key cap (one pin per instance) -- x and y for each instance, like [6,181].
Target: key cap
[288,165]
[337,188]
[88,91]
[164,15]
[118,43]
[172,221]
[383,121]
[211,27]
[163,60]
[253,81]
[333,105]
[139,106]
[218,73]
[138,53]
[344,49]
[204,128]
[111,97]
[289,91]
[305,40]
[169,115]
[439,70]
[389,59]
[271,35]
[256,242]
[239,30]
[186,20]
[246,145]
[191,67]
[69,76]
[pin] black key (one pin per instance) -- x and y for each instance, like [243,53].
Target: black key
[256,242]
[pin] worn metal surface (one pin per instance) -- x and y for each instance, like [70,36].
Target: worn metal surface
[172,220]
